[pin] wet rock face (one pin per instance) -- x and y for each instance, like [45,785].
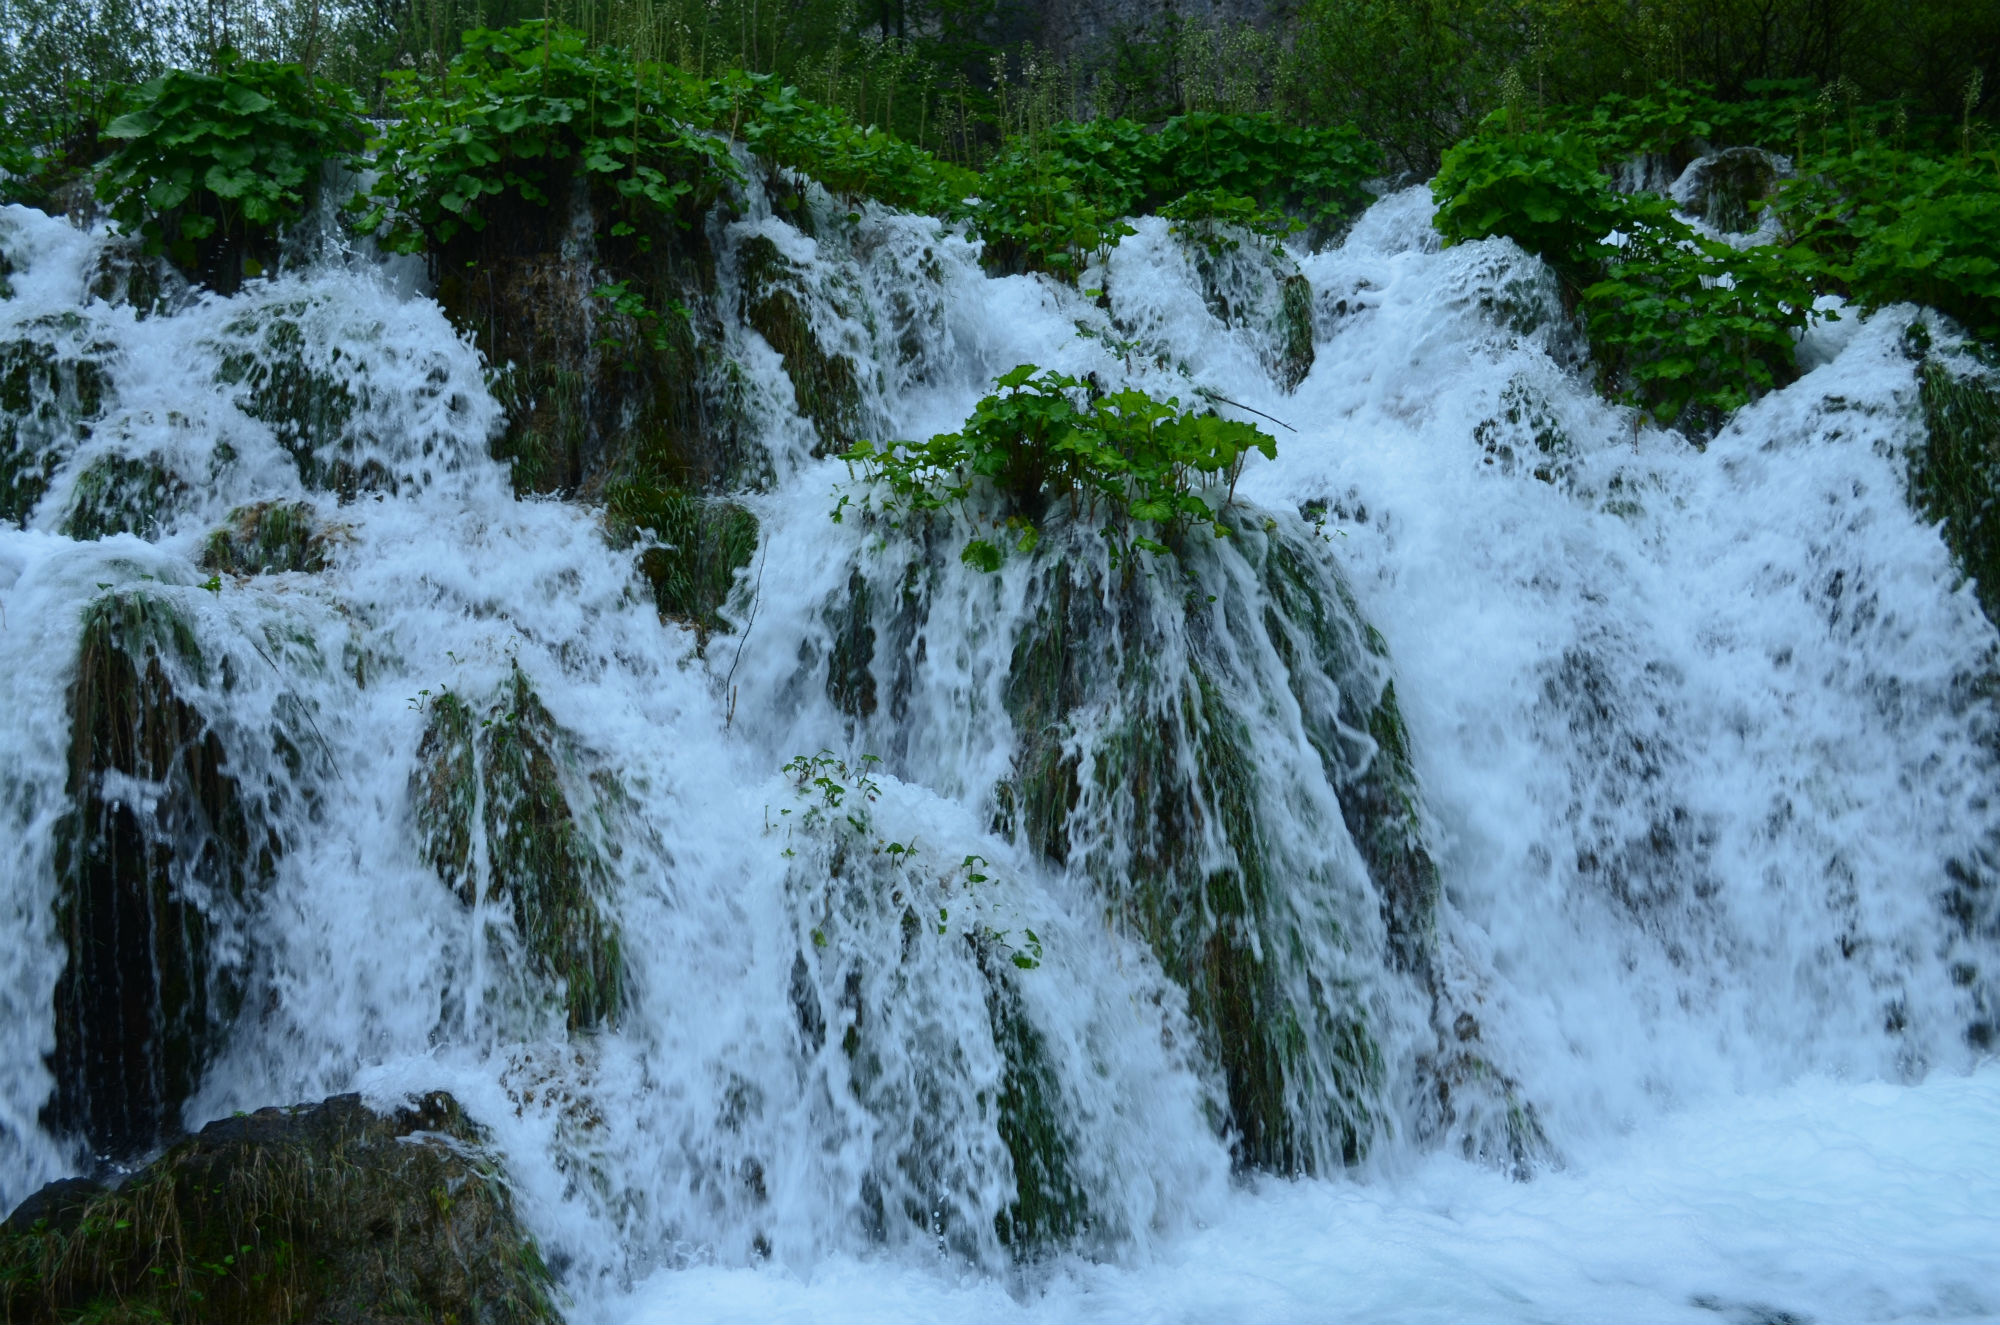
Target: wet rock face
[591,392]
[326,1212]
[1720,188]
[268,537]
[825,386]
[508,773]
[153,863]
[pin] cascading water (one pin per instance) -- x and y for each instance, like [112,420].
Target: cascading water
[1509,779]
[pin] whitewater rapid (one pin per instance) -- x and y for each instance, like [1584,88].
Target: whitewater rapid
[1699,732]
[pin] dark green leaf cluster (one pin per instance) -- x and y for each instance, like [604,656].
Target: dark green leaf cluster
[1051,200]
[1040,438]
[1891,225]
[223,156]
[1684,326]
[1691,328]
[518,114]
[788,130]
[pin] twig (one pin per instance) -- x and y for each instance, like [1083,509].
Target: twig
[1216,396]
[756,596]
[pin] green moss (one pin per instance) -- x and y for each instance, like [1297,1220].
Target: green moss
[143,1002]
[309,410]
[515,777]
[121,494]
[1955,476]
[824,386]
[327,1213]
[48,397]
[267,537]
[1295,324]
[850,672]
[1298,1065]
[703,543]
[1049,1206]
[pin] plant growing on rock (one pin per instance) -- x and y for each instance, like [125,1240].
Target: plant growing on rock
[1041,440]
[517,115]
[211,165]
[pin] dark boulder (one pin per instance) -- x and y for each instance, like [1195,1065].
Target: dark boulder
[327,1212]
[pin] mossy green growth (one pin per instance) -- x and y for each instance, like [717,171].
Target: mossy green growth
[511,773]
[47,397]
[1299,1067]
[121,494]
[824,385]
[1955,475]
[143,1001]
[326,1213]
[1049,1205]
[1333,670]
[308,409]
[267,538]
[702,543]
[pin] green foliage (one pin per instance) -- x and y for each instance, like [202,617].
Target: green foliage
[1955,474]
[1050,201]
[1694,328]
[206,159]
[1897,225]
[517,114]
[1683,326]
[788,130]
[1542,190]
[1125,455]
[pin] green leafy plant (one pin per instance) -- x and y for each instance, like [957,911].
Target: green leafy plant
[518,114]
[1038,440]
[1894,225]
[207,161]
[1542,190]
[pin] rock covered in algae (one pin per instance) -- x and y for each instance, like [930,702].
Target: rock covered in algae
[1140,771]
[122,494]
[328,1212]
[268,537]
[51,388]
[701,544]
[147,883]
[506,775]
[825,384]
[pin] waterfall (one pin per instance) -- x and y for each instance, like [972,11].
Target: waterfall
[1511,779]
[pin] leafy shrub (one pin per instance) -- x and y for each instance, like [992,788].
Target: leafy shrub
[1542,190]
[208,160]
[517,113]
[1035,441]
[1051,200]
[1694,329]
[786,129]
[1684,327]
[1895,225]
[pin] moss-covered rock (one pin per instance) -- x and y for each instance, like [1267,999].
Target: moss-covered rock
[1720,188]
[593,392]
[145,883]
[49,394]
[309,408]
[267,538]
[122,494]
[1955,475]
[1049,1205]
[324,1213]
[702,544]
[825,385]
[1187,858]
[508,777]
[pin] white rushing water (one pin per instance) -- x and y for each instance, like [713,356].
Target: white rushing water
[1700,738]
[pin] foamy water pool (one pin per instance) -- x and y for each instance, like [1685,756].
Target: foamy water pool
[1828,1201]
